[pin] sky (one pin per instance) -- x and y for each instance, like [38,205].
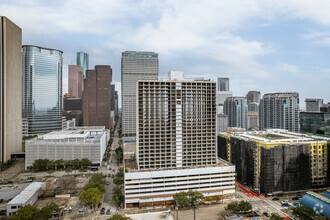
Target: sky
[264,45]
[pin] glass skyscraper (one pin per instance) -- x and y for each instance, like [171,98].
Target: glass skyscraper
[82,60]
[42,89]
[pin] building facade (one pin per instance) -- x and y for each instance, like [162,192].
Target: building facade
[313,105]
[176,123]
[42,88]
[222,123]
[27,197]
[10,89]
[237,110]
[134,66]
[253,96]
[156,188]
[75,81]
[277,160]
[222,93]
[315,122]
[279,111]
[83,61]
[69,144]
[97,97]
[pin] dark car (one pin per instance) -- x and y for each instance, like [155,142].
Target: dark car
[3,212]
[295,198]
[275,199]
[108,212]
[109,175]
[267,214]
[113,176]
[300,195]
[99,205]
[102,211]
[1,200]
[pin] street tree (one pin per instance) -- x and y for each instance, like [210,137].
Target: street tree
[97,178]
[181,199]
[85,162]
[275,216]
[47,210]
[195,199]
[233,206]
[117,217]
[92,196]
[244,206]
[26,213]
[97,185]
[118,196]
[76,163]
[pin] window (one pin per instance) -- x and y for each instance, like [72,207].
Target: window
[14,207]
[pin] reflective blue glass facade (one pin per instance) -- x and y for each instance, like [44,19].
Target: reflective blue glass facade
[82,60]
[42,89]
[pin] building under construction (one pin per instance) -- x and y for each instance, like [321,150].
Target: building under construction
[277,160]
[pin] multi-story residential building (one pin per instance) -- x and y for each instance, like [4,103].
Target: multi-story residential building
[116,107]
[69,144]
[253,115]
[279,111]
[315,122]
[222,93]
[237,110]
[75,81]
[83,61]
[42,88]
[253,96]
[313,105]
[97,97]
[10,89]
[134,66]
[222,123]
[277,160]
[176,144]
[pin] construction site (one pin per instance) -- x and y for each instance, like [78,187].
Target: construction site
[276,160]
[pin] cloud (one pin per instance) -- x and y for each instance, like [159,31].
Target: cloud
[319,38]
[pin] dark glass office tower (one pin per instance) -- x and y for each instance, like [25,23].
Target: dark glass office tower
[83,61]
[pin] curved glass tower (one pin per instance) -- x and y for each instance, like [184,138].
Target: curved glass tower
[82,60]
[42,88]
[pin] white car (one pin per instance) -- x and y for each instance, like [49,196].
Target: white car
[284,201]
[83,209]
[68,208]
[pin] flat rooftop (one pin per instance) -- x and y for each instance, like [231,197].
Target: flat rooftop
[26,194]
[75,132]
[278,136]
[131,165]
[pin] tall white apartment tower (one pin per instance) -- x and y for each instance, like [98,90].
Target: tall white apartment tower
[176,123]
[134,66]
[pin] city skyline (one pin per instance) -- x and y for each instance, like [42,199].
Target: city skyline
[259,46]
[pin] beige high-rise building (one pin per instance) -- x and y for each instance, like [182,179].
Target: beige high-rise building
[176,123]
[134,66]
[75,81]
[10,88]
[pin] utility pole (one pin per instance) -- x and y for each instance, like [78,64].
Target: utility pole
[177,212]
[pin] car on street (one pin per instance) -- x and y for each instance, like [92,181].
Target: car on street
[3,212]
[114,170]
[108,183]
[113,176]
[275,199]
[295,198]
[102,211]
[267,214]
[99,205]
[108,212]
[285,205]
[284,201]
[109,168]
[84,209]
[300,195]
[1,200]
[109,175]
[68,208]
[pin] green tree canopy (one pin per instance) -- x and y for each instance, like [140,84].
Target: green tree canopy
[117,217]
[244,206]
[181,199]
[305,213]
[46,211]
[92,184]
[92,196]
[275,216]
[233,206]
[97,178]
[118,196]
[26,213]
[85,162]
[195,198]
